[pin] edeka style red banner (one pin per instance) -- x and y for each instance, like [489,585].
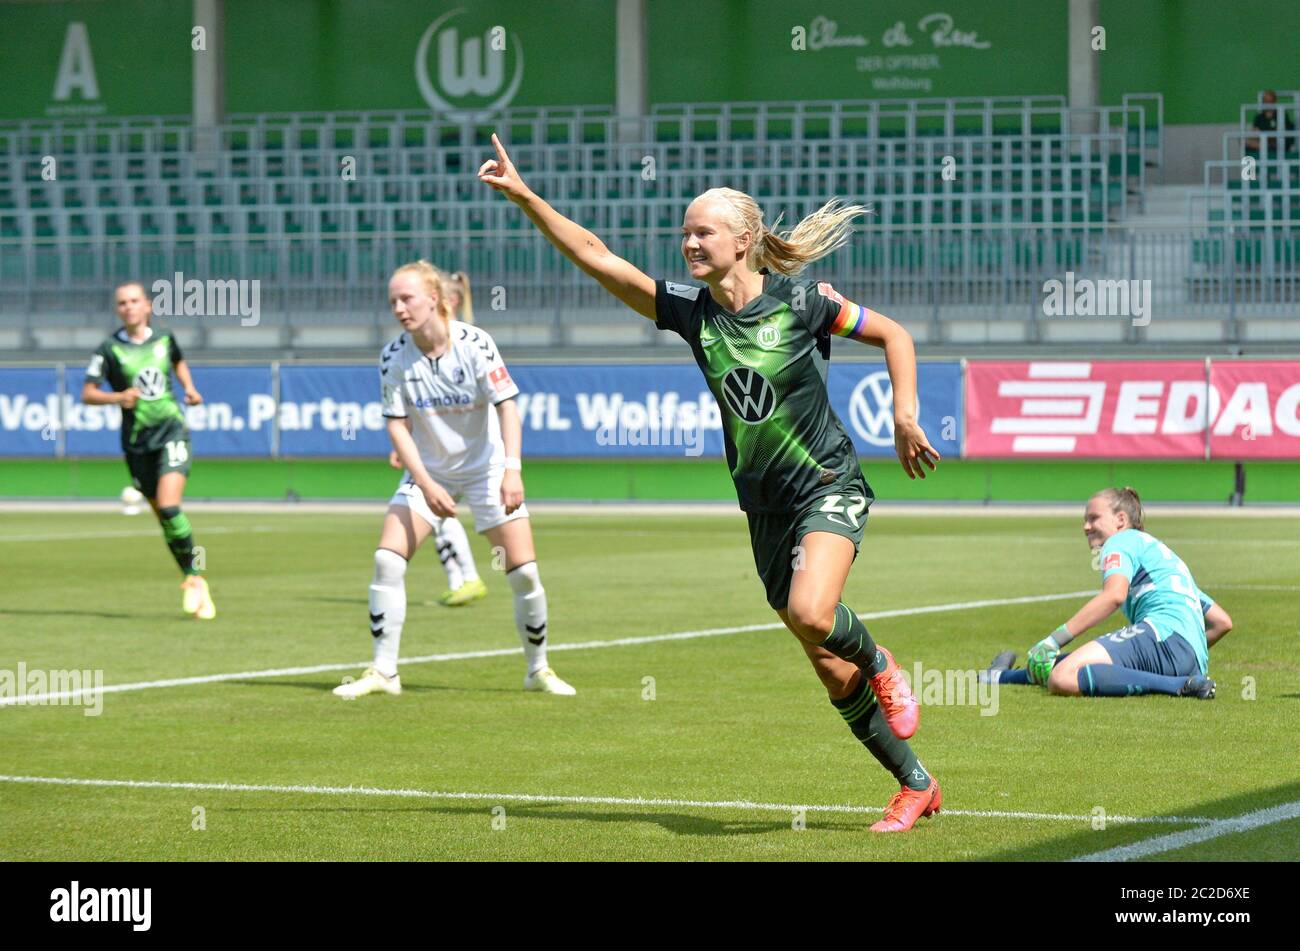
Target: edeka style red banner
[1085,409]
[1132,410]
[1255,405]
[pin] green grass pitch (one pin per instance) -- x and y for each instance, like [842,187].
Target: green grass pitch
[736,718]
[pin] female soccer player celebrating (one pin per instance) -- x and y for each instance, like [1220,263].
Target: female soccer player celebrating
[450,405]
[762,339]
[138,363]
[464,586]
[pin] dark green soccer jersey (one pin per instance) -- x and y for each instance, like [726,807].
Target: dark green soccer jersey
[148,367]
[766,367]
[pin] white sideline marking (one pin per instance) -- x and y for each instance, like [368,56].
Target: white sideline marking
[1210,830]
[43,698]
[577,800]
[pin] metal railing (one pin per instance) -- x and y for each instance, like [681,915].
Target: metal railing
[935,273]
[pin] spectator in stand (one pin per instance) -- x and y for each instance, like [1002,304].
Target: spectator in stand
[1266,121]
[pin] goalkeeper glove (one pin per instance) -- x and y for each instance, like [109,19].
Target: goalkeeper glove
[1042,657]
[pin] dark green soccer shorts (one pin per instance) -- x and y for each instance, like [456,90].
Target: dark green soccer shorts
[150,465]
[775,535]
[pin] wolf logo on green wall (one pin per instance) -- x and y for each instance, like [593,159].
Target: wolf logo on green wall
[470,73]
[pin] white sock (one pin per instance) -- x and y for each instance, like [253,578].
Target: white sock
[453,549]
[447,553]
[530,613]
[387,608]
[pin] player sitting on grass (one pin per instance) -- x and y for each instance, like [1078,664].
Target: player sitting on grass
[1165,648]
[464,586]
[761,334]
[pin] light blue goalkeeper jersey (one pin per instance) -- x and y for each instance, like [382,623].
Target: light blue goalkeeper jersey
[1161,589]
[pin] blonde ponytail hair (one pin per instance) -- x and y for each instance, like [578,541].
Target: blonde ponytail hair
[436,284]
[826,229]
[460,281]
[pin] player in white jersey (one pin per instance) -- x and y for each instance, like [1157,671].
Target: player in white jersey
[464,586]
[449,402]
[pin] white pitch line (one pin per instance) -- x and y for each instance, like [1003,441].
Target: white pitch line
[1211,830]
[39,699]
[741,804]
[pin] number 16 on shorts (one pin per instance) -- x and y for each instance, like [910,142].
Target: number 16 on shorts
[178,453]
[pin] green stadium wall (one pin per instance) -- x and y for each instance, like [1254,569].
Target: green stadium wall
[670,480]
[1205,56]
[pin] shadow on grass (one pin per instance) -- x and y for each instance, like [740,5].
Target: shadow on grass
[1088,840]
[364,603]
[676,823]
[110,615]
[324,686]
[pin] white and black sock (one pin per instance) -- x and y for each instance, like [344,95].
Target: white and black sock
[453,549]
[530,613]
[447,552]
[387,608]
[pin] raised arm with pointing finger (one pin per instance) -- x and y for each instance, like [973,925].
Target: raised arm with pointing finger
[620,278]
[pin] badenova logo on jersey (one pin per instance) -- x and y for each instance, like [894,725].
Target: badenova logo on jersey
[470,76]
[74,904]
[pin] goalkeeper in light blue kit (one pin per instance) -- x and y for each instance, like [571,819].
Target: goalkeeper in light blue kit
[1165,647]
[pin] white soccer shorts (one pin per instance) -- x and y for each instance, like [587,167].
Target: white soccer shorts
[482,492]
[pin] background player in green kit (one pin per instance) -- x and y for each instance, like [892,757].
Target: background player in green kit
[761,336]
[137,362]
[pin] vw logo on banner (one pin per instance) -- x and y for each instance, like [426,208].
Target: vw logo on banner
[471,69]
[871,408]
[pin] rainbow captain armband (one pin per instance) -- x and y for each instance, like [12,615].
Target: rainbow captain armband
[851,320]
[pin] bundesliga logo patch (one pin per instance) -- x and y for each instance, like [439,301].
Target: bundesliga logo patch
[829,292]
[500,377]
[1112,561]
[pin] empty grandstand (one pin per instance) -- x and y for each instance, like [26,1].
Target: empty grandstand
[980,199]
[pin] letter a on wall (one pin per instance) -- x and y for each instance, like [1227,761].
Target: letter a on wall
[76,66]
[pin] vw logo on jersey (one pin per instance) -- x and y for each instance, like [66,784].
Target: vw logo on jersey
[871,409]
[748,394]
[769,335]
[150,382]
[469,71]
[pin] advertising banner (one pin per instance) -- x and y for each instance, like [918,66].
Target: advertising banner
[234,419]
[1255,405]
[1085,410]
[29,411]
[1009,410]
